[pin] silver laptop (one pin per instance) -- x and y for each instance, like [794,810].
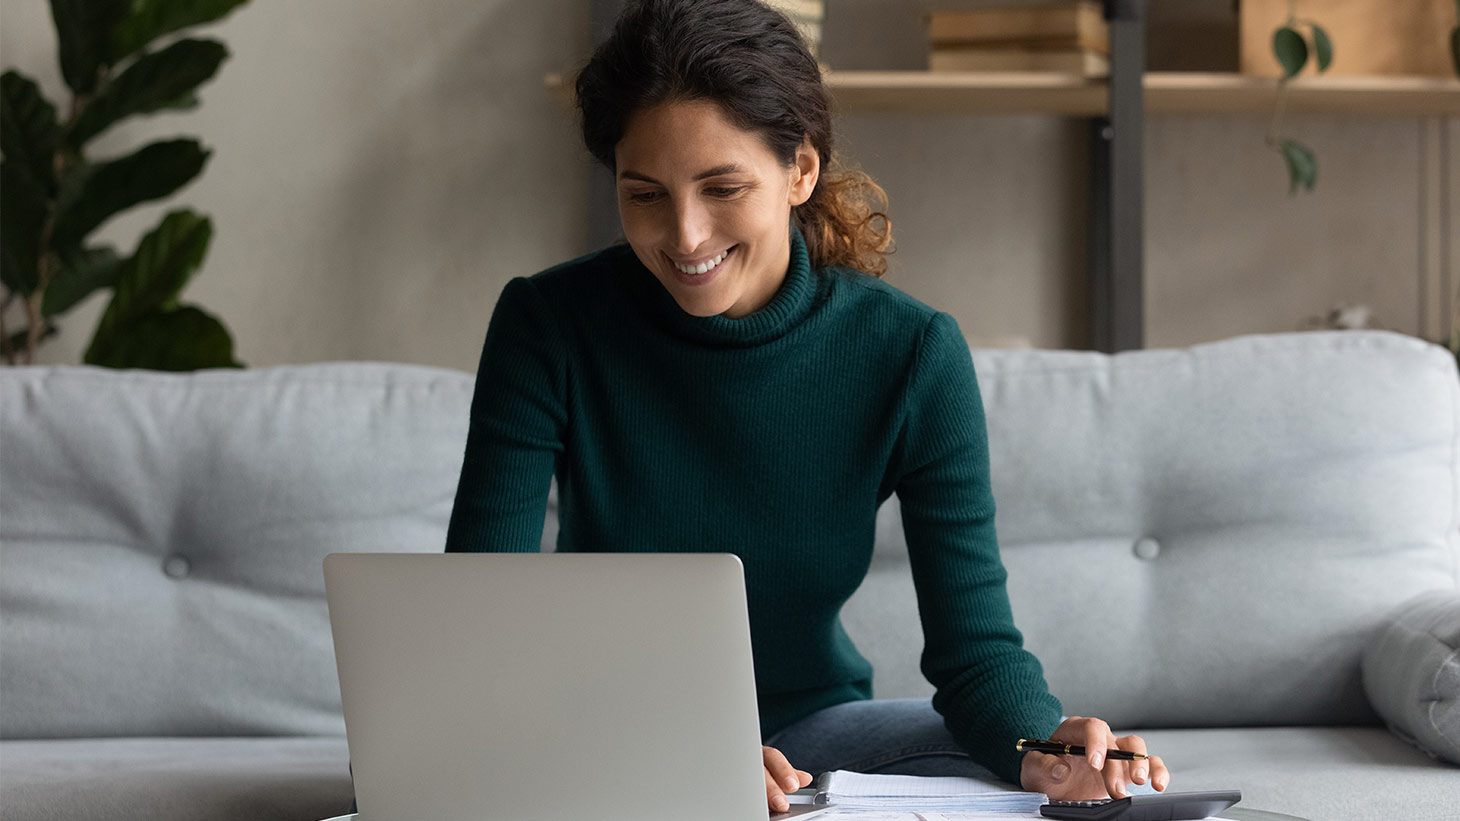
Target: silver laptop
[548,686]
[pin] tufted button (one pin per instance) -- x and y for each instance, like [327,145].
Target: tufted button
[176,566]
[1148,548]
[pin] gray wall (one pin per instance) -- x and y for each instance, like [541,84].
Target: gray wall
[382,169]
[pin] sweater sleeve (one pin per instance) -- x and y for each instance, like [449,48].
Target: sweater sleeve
[990,690]
[516,429]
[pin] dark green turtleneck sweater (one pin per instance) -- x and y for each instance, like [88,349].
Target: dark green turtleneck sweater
[775,436]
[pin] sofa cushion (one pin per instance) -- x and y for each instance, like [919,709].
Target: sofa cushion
[1321,773]
[175,779]
[163,537]
[1412,673]
[1207,536]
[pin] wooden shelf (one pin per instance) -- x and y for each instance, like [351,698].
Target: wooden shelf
[924,92]
[1190,93]
[917,92]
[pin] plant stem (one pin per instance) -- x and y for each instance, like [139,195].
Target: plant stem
[1282,95]
[1277,114]
[48,263]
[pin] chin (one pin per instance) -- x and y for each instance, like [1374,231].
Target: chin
[700,308]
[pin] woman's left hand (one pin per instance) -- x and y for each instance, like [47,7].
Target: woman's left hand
[1074,778]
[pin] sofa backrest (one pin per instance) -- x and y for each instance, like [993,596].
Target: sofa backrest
[1207,536]
[1245,513]
[161,537]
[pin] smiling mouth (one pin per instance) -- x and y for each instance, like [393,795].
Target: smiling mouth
[706,266]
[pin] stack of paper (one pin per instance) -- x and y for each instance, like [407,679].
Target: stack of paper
[849,789]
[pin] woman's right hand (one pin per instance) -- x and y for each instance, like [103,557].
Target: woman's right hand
[781,778]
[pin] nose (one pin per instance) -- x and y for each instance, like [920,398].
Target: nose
[691,227]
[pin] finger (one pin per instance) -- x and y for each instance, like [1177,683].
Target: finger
[1115,776]
[1097,741]
[1160,776]
[1050,773]
[774,798]
[787,777]
[784,776]
[1139,770]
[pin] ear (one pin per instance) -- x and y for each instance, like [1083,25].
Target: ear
[805,172]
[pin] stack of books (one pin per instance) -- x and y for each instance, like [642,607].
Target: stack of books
[1069,37]
[807,15]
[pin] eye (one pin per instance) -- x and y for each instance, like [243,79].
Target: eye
[645,197]
[725,191]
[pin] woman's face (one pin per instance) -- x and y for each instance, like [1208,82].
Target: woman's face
[693,188]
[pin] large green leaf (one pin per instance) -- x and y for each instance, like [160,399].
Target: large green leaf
[83,28]
[1302,166]
[153,277]
[93,193]
[22,214]
[184,339]
[28,129]
[150,19]
[1322,47]
[83,272]
[1291,50]
[153,82]
[186,102]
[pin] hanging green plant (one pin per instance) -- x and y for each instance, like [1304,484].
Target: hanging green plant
[53,196]
[1293,50]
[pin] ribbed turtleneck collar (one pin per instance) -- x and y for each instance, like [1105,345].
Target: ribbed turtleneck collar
[792,303]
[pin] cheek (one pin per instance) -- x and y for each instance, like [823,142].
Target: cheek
[638,228]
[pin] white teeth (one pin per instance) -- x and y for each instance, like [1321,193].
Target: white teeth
[704,266]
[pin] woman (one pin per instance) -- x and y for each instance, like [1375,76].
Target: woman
[735,378]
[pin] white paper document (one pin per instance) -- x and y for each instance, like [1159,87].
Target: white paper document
[859,814]
[925,794]
[870,797]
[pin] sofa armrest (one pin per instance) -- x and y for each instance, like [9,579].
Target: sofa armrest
[1411,673]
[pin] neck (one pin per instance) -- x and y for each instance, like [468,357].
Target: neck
[765,289]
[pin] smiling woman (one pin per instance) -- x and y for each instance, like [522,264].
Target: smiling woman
[718,239]
[755,67]
[736,378]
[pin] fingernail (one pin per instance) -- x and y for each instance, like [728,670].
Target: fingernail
[1161,781]
[1059,772]
[1097,761]
[782,804]
[1141,774]
[793,782]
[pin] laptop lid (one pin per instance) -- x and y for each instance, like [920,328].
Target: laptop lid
[547,686]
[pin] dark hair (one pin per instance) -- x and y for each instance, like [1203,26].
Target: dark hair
[751,60]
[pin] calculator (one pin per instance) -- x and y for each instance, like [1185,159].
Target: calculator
[1175,806]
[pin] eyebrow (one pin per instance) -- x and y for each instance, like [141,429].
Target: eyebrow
[727,168]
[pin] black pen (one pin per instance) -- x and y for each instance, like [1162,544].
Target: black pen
[1039,745]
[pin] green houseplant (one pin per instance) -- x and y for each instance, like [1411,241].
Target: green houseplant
[1293,50]
[53,196]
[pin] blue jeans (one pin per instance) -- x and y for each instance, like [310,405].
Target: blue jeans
[898,736]
[895,736]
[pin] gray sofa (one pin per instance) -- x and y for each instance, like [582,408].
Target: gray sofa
[1269,524]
